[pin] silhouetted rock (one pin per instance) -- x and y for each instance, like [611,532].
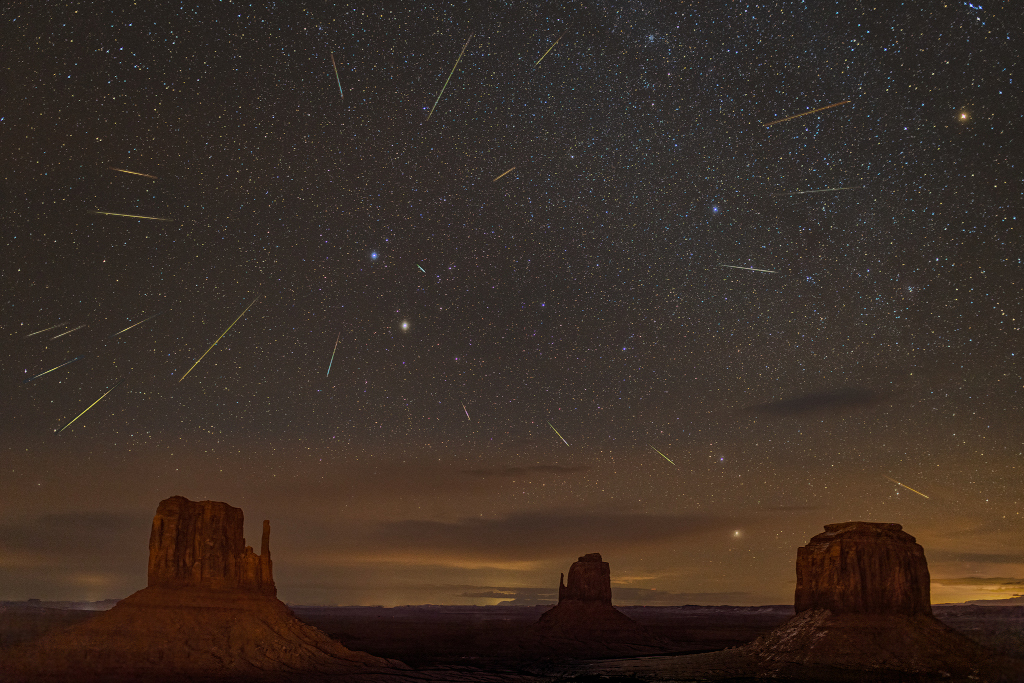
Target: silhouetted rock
[200,545]
[209,613]
[863,603]
[590,580]
[863,568]
[584,623]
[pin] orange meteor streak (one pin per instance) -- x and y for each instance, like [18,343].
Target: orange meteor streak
[907,487]
[121,170]
[796,116]
[504,174]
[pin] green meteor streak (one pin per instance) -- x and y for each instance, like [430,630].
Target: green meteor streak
[450,75]
[559,435]
[68,332]
[660,453]
[332,354]
[535,64]
[46,330]
[128,215]
[135,325]
[337,76]
[759,270]
[90,406]
[52,369]
[827,189]
[218,339]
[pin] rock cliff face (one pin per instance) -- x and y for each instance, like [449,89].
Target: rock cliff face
[590,580]
[862,601]
[863,568]
[200,545]
[209,613]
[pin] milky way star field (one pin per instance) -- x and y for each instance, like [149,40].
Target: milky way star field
[454,293]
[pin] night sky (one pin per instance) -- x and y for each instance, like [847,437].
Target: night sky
[862,352]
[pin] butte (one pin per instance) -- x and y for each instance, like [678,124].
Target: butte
[863,613]
[863,603]
[209,613]
[584,623]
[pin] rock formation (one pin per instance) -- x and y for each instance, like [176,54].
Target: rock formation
[590,580]
[209,613]
[584,622]
[863,568]
[862,602]
[200,545]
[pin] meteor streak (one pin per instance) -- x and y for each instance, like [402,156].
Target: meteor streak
[421,268]
[760,270]
[549,50]
[90,406]
[52,327]
[907,487]
[219,338]
[465,411]
[68,332]
[332,354]
[660,453]
[121,170]
[337,76]
[136,324]
[503,174]
[796,116]
[128,215]
[559,435]
[450,75]
[827,189]
[52,369]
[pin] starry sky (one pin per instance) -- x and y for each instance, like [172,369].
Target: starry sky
[589,294]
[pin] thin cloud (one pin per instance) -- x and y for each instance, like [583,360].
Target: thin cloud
[979,581]
[839,401]
[620,596]
[518,541]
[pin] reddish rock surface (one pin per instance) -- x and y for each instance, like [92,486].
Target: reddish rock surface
[863,568]
[862,602]
[200,545]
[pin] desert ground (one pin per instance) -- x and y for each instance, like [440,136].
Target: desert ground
[498,640]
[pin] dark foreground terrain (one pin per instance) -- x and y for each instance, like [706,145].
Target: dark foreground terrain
[501,640]
[500,636]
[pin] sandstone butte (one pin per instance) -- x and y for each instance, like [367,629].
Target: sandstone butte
[863,614]
[584,622]
[863,602]
[210,612]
